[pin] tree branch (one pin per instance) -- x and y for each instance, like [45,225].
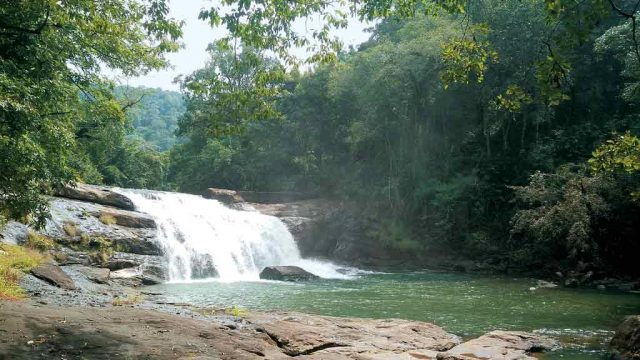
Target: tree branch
[632,17]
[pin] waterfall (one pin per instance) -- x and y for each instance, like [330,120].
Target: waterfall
[203,239]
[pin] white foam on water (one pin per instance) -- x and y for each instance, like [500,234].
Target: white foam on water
[202,239]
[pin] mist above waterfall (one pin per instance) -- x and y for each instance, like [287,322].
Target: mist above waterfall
[204,239]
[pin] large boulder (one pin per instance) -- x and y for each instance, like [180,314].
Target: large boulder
[14,233]
[286,273]
[72,222]
[54,276]
[97,275]
[130,219]
[135,270]
[505,345]
[96,194]
[327,337]
[625,344]
[225,196]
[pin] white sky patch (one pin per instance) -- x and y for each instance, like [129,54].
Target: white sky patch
[197,35]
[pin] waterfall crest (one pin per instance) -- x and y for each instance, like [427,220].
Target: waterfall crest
[202,239]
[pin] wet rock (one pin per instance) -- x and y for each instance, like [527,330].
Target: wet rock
[546,284]
[625,344]
[286,273]
[65,256]
[506,345]
[96,194]
[125,218]
[54,276]
[151,264]
[571,282]
[72,224]
[97,275]
[146,270]
[225,196]
[329,337]
[14,233]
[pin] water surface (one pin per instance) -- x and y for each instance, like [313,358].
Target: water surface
[466,305]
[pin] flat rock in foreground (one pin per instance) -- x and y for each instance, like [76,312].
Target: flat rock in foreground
[34,331]
[504,345]
[330,337]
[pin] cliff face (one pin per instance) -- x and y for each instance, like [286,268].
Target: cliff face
[322,228]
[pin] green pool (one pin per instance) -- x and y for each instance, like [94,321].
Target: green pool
[466,305]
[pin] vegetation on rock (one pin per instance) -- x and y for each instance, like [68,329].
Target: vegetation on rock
[14,261]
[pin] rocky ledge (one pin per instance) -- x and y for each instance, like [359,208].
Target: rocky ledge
[31,330]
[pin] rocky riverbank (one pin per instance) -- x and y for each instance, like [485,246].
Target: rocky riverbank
[32,330]
[89,301]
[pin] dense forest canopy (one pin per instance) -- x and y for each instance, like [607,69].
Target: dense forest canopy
[154,114]
[505,130]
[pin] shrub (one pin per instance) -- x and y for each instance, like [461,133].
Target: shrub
[84,240]
[107,219]
[70,228]
[236,311]
[102,250]
[14,261]
[39,242]
[129,299]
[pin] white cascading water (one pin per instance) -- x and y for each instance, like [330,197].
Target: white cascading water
[202,239]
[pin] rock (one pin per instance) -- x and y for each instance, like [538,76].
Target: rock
[571,282]
[275,197]
[545,284]
[129,219]
[625,344]
[286,273]
[626,286]
[54,276]
[72,223]
[135,270]
[505,345]
[96,194]
[224,196]
[150,264]
[601,287]
[97,275]
[341,338]
[14,233]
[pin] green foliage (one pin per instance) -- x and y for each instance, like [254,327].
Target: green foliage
[14,261]
[467,57]
[238,86]
[107,219]
[153,114]
[435,167]
[619,154]
[558,214]
[39,242]
[236,311]
[50,52]
[70,228]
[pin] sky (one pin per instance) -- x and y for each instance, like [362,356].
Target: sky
[198,34]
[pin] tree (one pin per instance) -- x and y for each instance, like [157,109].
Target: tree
[51,58]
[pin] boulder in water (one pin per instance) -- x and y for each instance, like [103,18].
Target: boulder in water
[286,273]
[626,342]
[96,194]
[54,276]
